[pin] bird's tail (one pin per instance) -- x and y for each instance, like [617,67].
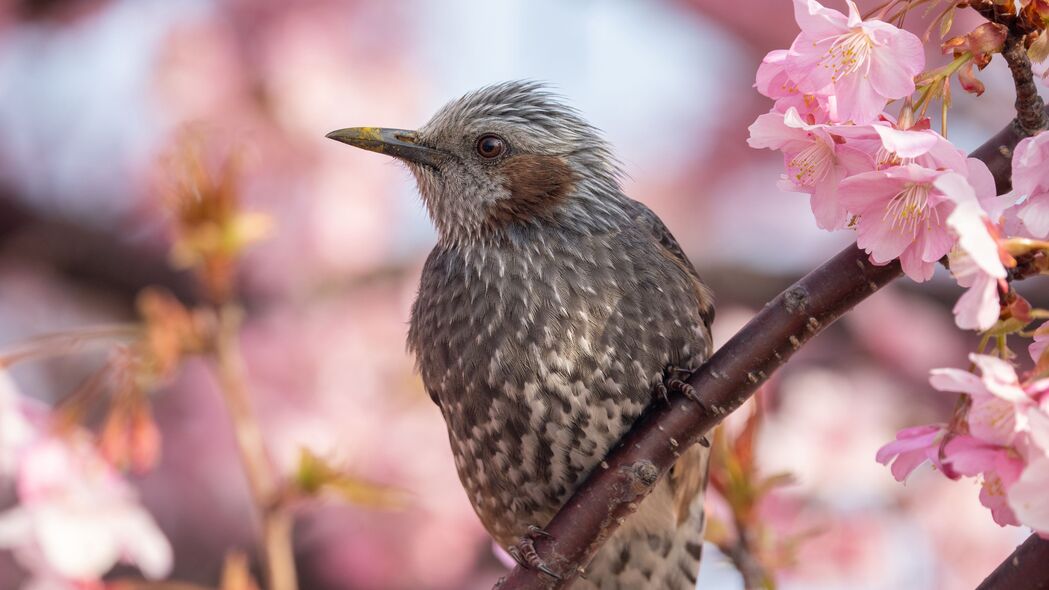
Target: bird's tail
[658,547]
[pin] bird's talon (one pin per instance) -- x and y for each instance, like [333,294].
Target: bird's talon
[525,555]
[542,567]
[661,391]
[534,531]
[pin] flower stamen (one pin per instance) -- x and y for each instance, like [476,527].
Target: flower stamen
[812,164]
[848,54]
[909,209]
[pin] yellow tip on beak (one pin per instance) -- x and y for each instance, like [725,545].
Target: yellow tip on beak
[399,143]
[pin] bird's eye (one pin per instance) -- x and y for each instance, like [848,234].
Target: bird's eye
[490,146]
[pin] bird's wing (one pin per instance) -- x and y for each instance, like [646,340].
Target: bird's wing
[672,250]
[689,475]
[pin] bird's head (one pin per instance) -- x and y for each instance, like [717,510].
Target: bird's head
[507,155]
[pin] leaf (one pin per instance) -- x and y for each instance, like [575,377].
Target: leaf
[947,21]
[776,480]
[315,476]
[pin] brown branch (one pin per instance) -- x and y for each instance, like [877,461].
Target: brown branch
[277,549]
[1030,109]
[1031,117]
[614,490]
[1026,569]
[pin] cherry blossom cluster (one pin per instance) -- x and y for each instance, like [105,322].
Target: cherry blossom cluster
[1005,440]
[76,516]
[911,195]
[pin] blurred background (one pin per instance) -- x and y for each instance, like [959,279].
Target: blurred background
[94,94]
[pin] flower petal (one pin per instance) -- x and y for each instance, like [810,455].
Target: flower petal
[1035,214]
[1028,497]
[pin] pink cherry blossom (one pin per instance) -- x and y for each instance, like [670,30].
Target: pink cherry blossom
[1031,181]
[977,261]
[816,162]
[999,401]
[865,63]
[979,307]
[1027,496]
[902,213]
[913,447]
[1028,499]
[773,81]
[79,515]
[1008,440]
[76,517]
[1007,443]
[999,467]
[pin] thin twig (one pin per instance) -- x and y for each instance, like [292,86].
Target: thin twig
[1030,109]
[67,342]
[727,380]
[277,548]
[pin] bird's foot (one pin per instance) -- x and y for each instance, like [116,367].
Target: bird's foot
[524,552]
[674,380]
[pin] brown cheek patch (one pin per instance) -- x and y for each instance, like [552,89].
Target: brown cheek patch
[536,184]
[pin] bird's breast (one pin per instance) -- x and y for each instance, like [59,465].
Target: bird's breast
[540,360]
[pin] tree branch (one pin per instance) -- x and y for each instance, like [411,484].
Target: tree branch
[1030,109]
[1026,569]
[614,490]
[1031,116]
[277,549]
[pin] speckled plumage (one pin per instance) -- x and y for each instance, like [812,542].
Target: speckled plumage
[541,329]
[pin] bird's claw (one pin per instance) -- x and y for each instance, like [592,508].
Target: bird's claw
[674,381]
[661,391]
[534,531]
[525,555]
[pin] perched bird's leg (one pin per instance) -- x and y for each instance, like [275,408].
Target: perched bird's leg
[674,381]
[524,552]
[661,390]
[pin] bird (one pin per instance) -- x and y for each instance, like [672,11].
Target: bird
[551,312]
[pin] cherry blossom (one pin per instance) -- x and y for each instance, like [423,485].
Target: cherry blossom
[979,307]
[865,63]
[912,448]
[1006,443]
[816,161]
[1027,496]
[902,213]
[76,517]
[999,401]
[773,81]
[1031,182]
[977,261]
[999,467]
[78,514]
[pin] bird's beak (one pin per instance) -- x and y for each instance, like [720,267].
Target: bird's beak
[399,143]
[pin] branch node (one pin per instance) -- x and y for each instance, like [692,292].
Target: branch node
[796,299]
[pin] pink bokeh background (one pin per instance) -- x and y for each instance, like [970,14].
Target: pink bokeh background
[93,93]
